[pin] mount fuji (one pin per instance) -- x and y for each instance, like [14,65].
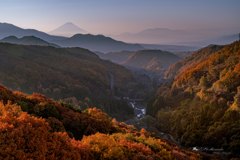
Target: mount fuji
[68,29]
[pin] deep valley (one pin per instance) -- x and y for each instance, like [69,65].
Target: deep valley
[119,80]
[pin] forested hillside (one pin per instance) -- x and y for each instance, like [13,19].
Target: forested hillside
[74,75]
[34,127]
[193,59]
[151,60]
[201,106]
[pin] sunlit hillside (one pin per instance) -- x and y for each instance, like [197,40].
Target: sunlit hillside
[190,61]
[200,107]
[53,130]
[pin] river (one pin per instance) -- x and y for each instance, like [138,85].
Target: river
[139,111]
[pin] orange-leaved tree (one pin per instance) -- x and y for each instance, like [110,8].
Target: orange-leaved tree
[26,137]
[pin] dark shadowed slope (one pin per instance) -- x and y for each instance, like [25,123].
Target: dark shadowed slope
[97,43]
[75,75]
[151,60]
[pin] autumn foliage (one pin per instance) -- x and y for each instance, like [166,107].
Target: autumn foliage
[26,137]
[67,134]
[201,106]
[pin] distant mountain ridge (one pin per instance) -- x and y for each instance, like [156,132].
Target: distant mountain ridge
[68,29]
[154,36]
[7,29]
[91,42]
[149,38]
[27,40]
[178,37]
[97,43]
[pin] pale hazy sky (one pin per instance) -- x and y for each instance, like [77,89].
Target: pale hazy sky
[119,16]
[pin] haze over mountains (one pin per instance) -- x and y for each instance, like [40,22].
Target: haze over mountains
[158,38]
[88,41]
[154,36]
[7,29]
[180,37]
[219,40]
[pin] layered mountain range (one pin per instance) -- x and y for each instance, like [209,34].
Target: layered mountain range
[77,37]
[92,42]
[7,29]
[198,107]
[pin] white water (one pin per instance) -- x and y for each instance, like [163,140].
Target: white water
[132,104]
[143,111]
